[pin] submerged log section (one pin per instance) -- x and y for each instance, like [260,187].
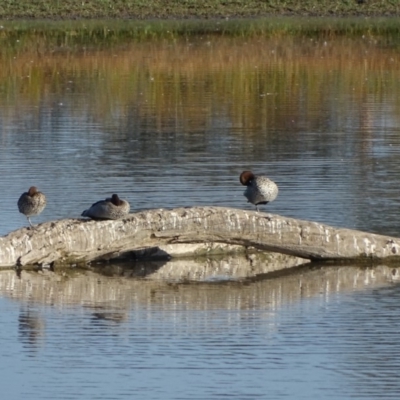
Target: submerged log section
[74,240]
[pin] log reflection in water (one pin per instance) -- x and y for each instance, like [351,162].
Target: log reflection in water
[226,283]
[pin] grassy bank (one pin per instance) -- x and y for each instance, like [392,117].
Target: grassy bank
[182,9]
[24,35]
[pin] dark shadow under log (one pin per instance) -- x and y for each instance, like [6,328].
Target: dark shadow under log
[188,231]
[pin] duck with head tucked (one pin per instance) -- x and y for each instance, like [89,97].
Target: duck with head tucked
[259,190]
[111,208]
[31,203]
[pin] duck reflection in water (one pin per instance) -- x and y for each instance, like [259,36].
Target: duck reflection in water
[259,190]
[31,328]
[111,208]
[115,317]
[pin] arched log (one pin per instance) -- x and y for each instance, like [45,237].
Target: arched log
[171,232]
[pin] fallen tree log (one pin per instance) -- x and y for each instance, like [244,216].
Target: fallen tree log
[169,232]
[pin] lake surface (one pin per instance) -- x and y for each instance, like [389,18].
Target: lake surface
[173,123]
[325,333]
[169,123]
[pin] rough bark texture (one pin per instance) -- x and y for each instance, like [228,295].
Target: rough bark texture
[169,231]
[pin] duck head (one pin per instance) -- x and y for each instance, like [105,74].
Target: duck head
[246,177]
[116,200]
[32,191]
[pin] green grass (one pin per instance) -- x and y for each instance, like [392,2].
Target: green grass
[181,9]
[104,33]
[106,22]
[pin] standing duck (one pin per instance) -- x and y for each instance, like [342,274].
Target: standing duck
[31,203]
[260,189]
[111,208]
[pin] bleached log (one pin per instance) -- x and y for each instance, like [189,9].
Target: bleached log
[169,232]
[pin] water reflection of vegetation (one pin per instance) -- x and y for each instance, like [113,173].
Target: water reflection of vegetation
[247,81]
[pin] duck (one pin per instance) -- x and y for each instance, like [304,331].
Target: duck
[31,203]
[111,208]
[259,190]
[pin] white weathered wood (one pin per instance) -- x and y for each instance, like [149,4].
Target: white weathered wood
[169,232]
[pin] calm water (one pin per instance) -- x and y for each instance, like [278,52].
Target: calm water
[173,124]
[329,333]
[168,124]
